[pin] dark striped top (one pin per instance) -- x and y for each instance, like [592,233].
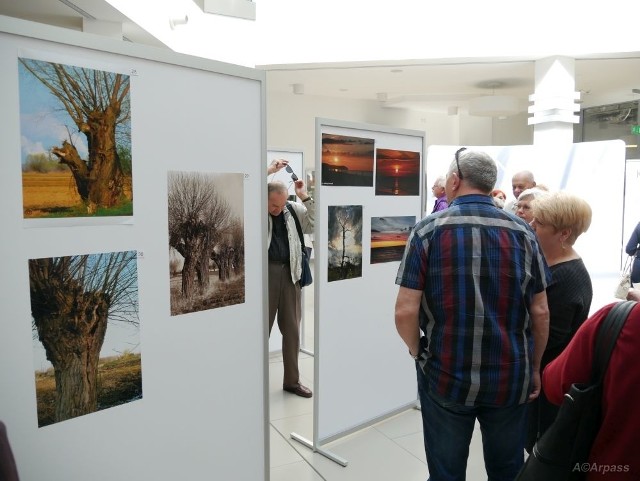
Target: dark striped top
[478,267]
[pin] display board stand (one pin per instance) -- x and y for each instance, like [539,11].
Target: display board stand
[194,414]
[371,178]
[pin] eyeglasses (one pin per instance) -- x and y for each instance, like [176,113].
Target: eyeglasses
[294,177]
[458,163]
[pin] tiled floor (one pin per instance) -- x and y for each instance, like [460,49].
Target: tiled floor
[391,450]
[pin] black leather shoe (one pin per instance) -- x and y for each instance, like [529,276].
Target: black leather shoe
[299,390]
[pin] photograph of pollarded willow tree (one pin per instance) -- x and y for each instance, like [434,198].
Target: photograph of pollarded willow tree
[206,241]
[75,126]
[84,314]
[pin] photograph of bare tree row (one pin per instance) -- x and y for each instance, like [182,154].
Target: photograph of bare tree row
[74,300]
[75,127]
[206,240]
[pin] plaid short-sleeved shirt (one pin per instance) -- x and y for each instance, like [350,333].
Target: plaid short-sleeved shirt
[479,268]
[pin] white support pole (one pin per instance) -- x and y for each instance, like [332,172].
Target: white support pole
[554,101]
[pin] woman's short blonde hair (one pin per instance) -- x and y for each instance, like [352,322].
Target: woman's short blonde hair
[563,210]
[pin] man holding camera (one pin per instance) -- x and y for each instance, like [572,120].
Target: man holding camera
[285,268]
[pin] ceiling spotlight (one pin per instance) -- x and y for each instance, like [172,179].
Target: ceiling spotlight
[174,22]
[298,89]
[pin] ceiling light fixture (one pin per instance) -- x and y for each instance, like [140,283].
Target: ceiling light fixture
[174,22]
[500,106]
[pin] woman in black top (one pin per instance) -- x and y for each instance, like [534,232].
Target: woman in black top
[558,220]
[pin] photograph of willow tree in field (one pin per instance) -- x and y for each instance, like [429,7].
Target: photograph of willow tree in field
[75,127]
[397,172]
[206,240]
[389,237]
[347,161]
[75,300]
[345,242]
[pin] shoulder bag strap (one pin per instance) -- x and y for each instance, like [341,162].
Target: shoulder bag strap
[608,336]
[298,227]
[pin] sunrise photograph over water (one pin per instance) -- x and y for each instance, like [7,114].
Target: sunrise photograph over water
[397,172]
[347,161]
[389,237]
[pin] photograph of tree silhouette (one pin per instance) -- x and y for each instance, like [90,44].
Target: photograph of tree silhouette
[345,242]
[206,241]
[73,302]
[75,127]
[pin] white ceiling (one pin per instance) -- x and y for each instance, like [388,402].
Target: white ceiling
[430,85]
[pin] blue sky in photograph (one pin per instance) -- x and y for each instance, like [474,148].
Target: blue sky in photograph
[120,336]
[43,121]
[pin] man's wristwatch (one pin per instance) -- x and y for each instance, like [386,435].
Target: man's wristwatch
[416,357]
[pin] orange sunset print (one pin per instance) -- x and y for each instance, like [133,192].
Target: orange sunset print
[347,161]
[397,172]
[389,237]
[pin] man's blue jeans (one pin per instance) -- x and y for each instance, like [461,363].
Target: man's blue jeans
[448,428]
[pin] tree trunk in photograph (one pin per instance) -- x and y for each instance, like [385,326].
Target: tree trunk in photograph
[222,257]
[188,274]
[99,181]
[344,249]
[203,272]
[192,233]
[71,325]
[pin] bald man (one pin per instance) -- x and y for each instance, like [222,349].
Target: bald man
[521,181]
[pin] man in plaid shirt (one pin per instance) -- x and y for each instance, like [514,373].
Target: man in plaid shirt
[473,280]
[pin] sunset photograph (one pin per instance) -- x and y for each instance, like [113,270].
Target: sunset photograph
[389,237]
[347,161]
[397,172]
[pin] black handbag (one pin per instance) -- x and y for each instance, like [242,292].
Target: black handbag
[562,452]
[305,277]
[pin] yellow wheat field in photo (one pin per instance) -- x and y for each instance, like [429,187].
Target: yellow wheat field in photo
[47,193]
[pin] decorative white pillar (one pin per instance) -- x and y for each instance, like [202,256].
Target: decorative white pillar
[554,102]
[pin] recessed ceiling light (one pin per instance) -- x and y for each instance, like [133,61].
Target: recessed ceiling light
[396,70]
[344,90]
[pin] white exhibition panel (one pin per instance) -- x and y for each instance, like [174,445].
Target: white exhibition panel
[594,171]
[204,404]
[363,372]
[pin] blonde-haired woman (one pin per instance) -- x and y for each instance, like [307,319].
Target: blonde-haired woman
[559,218]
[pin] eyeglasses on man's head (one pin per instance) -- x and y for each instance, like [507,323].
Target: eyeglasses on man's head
[462,149]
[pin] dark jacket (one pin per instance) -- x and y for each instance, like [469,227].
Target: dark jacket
[633,249]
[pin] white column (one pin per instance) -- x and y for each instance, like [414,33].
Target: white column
[554,105]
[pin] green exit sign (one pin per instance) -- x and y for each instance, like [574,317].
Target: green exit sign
[635,129]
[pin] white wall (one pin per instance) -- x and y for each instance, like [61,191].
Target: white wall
[291,123]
